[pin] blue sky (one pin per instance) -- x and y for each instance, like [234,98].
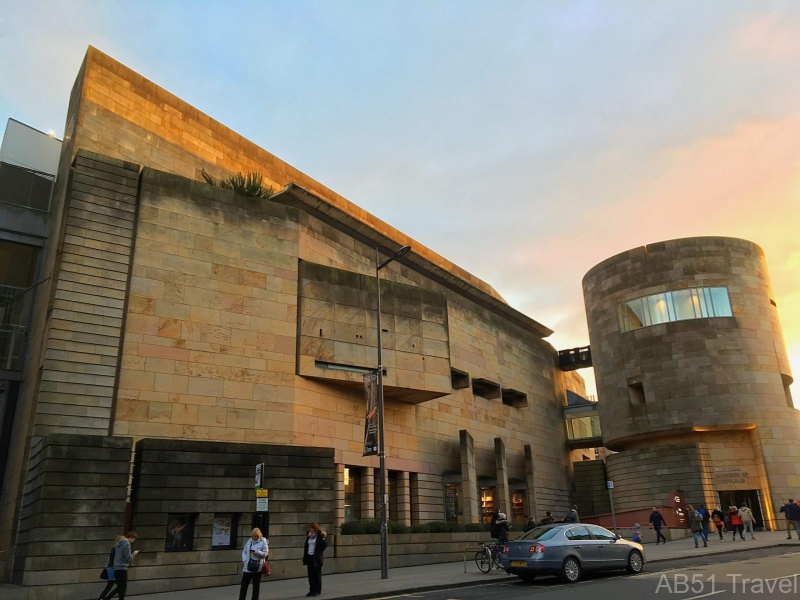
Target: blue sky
[525,141]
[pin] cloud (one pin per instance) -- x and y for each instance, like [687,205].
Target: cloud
[775,36]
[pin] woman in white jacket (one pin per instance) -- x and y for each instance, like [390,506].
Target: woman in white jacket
[254,554]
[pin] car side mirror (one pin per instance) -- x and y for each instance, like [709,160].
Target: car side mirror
[618,536]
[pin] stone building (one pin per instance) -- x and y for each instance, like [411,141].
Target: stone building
[186,333]
[693,377]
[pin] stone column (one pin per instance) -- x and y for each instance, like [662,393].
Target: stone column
[367,493]
[529,477]
[503,503]
[403,498]
[338,486]
[469,482]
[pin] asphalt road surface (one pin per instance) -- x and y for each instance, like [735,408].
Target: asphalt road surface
[769,573]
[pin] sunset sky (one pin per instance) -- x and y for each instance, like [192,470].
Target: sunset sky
[524,141]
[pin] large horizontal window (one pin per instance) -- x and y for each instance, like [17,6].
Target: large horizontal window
[678,305]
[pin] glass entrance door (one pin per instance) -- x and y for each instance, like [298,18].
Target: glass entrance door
[740,497]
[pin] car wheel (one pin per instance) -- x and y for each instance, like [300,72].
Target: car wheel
[571,570]
[635,562]
[527,578]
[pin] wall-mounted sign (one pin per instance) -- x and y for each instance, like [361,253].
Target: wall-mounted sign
[371,422]
[262,500]
[259,475]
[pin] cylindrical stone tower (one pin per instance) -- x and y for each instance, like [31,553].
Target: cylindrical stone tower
[692,375]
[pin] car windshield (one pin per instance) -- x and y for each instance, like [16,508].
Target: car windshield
[539,533]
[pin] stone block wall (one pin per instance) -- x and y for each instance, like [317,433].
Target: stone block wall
[206,478]
[73,506]
[81,350]
[645,477]
[590,491]
[337,325]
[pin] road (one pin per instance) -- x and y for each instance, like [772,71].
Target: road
[768,573]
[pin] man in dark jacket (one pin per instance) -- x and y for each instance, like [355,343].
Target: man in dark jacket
[706,520]
[657,520]
[791,511]
[530,524]
[572,515]
[548,519]
[493,530]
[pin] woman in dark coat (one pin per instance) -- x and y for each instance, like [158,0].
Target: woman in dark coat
[312,557]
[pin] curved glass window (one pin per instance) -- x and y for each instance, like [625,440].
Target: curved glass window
[678,305]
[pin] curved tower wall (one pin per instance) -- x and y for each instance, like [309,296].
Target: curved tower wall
[718,382]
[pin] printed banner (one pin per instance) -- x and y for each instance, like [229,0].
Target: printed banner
[371,423]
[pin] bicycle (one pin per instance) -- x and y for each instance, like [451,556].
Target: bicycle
[488,556]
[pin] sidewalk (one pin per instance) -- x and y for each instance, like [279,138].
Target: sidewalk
[368,584]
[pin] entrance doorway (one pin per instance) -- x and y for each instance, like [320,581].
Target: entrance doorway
[741,497]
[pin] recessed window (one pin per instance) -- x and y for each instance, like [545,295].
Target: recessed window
[486,389]
[514,398]
[459,379]
[636,394]
[180,533]
[677,305]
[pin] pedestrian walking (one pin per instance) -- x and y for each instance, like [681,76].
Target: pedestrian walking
[123,556]
[696,525]
[748,521]
[312,557]
[108,573]
[719,521]
[657,520]
[788,510]
[548,519]
[572,515]
[706,520]
[637,533]
[530,524]
[736,522]
[254,554]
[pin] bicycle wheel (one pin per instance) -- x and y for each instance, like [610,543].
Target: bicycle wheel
[484,561]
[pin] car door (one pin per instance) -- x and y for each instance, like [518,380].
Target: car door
[584,546]
[612,553]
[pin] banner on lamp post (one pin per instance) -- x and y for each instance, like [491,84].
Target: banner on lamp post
[371,422]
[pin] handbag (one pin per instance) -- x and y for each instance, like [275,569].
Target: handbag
[104,574]
[253,564]
[266,570]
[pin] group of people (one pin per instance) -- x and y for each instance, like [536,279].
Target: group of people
[737,520]
[254,563]
[549,519]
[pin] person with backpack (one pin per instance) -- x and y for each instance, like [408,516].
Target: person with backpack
[748,521]
[254,554]
[706,520]
[657,520]
[696,525]
[572,515]
[123,555]
[736,522]
[719,523]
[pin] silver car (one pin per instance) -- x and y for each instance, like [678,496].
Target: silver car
[569,550]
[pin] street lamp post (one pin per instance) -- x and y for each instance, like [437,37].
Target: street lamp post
[381,445]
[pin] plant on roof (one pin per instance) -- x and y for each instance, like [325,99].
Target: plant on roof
[250,184]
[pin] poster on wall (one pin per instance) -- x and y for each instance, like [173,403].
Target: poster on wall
[371,423]
[180,531]
[221,530]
